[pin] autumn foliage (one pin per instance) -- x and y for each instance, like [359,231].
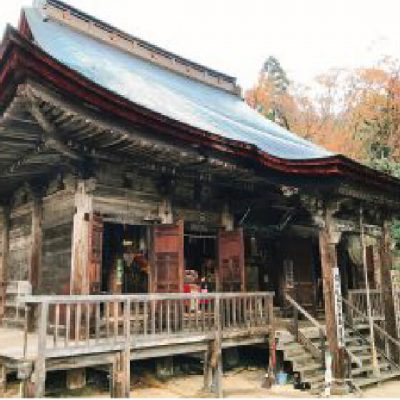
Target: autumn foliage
[353,112]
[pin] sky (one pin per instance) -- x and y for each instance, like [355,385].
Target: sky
[236,36]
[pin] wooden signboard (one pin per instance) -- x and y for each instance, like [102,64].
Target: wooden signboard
[337,292]
[167,258]
[231,261]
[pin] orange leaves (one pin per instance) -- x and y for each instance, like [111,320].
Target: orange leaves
[345,111]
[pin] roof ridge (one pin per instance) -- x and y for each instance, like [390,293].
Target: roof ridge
[78,20]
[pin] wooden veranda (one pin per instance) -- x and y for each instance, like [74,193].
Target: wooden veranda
[63,332]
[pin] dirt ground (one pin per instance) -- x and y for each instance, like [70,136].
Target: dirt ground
[246,383]
[236,383]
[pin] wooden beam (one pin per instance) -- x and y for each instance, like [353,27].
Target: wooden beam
[51,137]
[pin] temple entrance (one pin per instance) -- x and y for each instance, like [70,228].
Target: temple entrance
[200,251]
[287,265]
[125,267]
[301,271]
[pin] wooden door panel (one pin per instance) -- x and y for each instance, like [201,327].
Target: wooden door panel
[167,269]
[231,260]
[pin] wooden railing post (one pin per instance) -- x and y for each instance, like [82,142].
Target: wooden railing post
[40,363]
[127,349]
[349,310]
[216,359]
[322,346]
[296,323]
[272,341]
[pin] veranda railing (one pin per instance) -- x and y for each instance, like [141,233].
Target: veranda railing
[97,323]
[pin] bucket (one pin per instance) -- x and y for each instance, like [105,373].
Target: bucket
[281,378]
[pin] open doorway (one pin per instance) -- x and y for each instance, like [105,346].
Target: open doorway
[125,267]
[200,251]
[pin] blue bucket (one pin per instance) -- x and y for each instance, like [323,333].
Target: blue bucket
[281,378]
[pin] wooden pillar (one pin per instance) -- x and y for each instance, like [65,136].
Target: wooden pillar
[5,240]
[272,344]
[328,254]
[3,380]
[36,245]
[79,281]
[207,372]
[80,240]
[216,357]
[217,372]
[121,369]
[212,373]
[126,355]
[39,374]
[387,288]
[120,377]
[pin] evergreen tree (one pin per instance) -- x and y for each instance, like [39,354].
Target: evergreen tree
[276,75]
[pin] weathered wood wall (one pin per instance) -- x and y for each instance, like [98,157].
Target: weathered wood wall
[58,211]
[142,199]
[20,242]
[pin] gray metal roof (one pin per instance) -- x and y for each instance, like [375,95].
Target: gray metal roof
[166,92]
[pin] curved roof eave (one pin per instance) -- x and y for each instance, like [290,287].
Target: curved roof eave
[19,53]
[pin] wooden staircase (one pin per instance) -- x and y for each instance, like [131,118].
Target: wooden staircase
[310,367]
[303,346]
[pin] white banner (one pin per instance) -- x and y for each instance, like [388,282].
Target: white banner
[337,292]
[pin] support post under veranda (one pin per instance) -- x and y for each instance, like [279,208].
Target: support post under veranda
[3,380]
[213,369]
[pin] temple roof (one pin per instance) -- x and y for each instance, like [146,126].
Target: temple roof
[164,91]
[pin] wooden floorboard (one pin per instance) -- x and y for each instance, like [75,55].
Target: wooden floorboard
[92,353]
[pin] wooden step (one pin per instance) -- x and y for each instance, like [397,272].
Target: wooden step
[363,382]
[368,368]
[314,366]
[294,351]
[357,348]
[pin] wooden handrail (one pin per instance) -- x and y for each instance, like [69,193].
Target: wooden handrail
[376,326]
[364,291]
[305,313]
[96,323]
[317,352]
[69,299]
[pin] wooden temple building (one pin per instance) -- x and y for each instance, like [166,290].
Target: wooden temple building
[148,211]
